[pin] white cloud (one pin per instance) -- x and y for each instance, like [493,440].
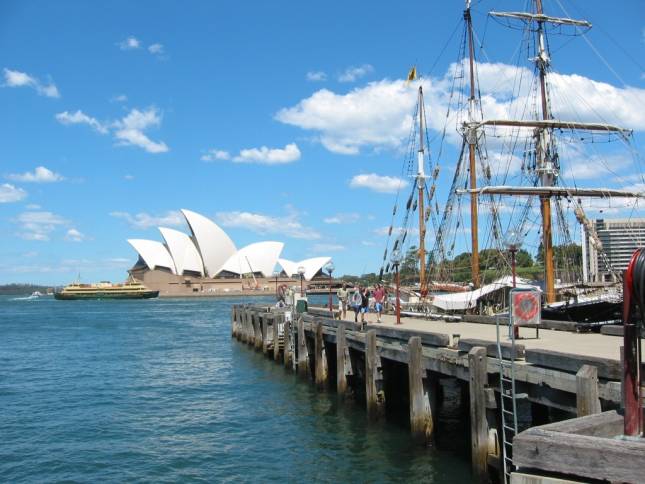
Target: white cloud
[9,193]
[342,218]
[353,73]
[144,221]
[289,225]
[22,79]
[130,43]
[39,175]
[368,243]
[39,225]
[33,206]
[156,49]
[327,248]
[74,235]
[128,177]
[269,156]
[378,183]
[214,154]
[316,76]
[79,117]
[130,130]
[379,114]
[119,98]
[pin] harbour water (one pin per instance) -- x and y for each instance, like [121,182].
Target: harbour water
[157,390]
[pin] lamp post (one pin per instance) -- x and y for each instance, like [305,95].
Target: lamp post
[395,259]
[513,243]
[276,274]
[301,272]
[329,267]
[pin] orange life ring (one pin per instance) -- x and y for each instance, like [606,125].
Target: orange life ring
[526,306]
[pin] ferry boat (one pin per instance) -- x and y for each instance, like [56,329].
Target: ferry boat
[106,290]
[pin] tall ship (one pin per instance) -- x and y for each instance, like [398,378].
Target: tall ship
[130,289]
[521,182]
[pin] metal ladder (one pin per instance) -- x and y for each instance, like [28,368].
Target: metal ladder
[508,399]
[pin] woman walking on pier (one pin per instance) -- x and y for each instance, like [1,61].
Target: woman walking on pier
[365,303]
[356,302]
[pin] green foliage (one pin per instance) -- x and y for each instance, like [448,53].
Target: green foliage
[21,289]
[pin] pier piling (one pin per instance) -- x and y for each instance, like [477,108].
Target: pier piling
[343,362]
[477,366]
[374,392]
[288,345]
[257,331]
[277,321]
[322,371]
[303,359]
[421,418]
[587,400]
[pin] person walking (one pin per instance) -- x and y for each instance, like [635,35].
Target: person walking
[356,302]
[365,304]
[379,296]
[342,296]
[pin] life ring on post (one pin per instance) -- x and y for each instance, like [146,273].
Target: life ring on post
[526,306]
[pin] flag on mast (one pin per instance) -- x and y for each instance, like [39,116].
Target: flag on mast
[412,75]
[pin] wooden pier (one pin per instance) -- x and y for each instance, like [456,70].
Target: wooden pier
[578,375]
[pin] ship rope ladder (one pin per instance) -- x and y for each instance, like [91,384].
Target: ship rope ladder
[508,399]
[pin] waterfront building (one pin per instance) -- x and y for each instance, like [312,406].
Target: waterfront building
[207,262]
[608,246]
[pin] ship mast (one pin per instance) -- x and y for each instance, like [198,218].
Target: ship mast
[546,169]
[421,183]
[471,138]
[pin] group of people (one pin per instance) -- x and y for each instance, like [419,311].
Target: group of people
[359,301]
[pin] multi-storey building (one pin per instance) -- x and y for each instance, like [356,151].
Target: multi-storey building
[618,238]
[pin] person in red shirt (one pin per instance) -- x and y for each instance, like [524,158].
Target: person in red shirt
[379,297]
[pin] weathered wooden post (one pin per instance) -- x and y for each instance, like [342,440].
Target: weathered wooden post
[233,335]
[257,330]
[246,333]
[587,400]
[374,391]
[277,320]
[421,418]
[303,359]
[288,344]
[477,368]
[322,373]
[266,335]
[343,362]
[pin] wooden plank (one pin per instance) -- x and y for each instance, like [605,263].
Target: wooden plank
[303,358]
[322,372]
[421,418]
[599,425]
[324,312]
[477,365]
[374,392]
[343,363]
[600,458]
[616,330]
[466,344]
[607,369]
[400,334]
[587,400]
[332,323]
[522,478]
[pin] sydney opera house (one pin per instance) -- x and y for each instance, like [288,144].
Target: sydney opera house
[207,262]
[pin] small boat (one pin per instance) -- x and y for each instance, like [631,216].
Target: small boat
[106,290]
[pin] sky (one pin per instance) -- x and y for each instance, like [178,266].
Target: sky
[279,120]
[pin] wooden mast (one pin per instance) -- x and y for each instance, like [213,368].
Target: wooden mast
[421,183]
[471,138]
[545,167]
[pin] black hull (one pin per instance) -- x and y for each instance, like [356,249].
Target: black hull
[594,312]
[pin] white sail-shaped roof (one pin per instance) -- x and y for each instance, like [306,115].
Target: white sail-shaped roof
[214,245]
[311,266]
[154,253]
[183,251]
[258,257]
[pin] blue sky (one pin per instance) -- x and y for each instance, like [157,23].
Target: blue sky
[279,120]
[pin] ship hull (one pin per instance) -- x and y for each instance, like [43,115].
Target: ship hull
[107,295]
